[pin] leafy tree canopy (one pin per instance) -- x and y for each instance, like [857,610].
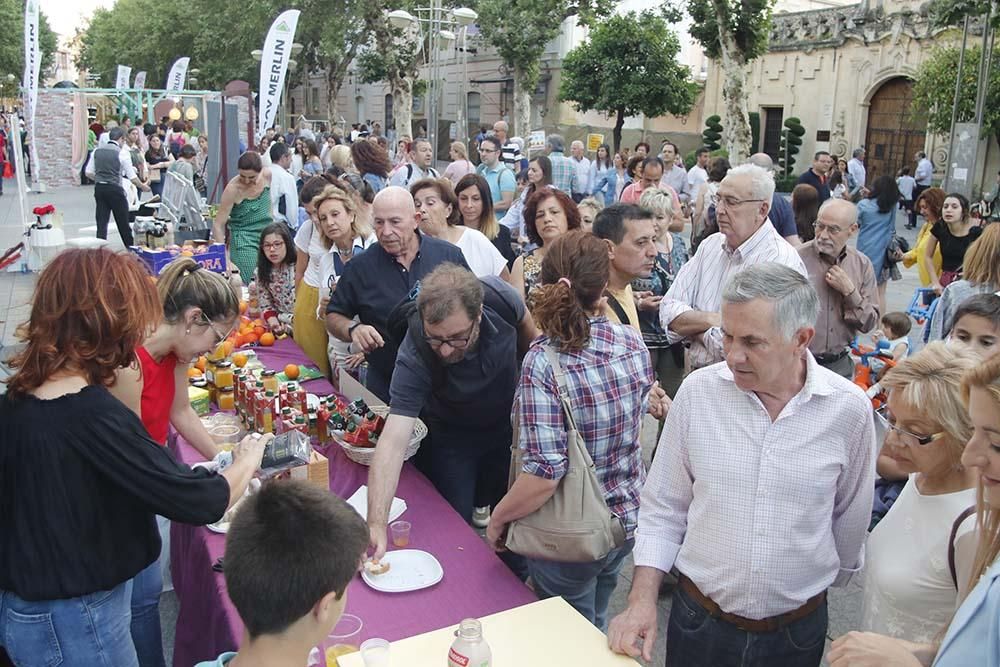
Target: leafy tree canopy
[12,44]
[747,21]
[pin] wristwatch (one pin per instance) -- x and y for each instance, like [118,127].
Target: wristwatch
[350,329]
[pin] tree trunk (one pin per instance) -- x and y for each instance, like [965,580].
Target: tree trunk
[735,117]
[333,82]
[402,105]
[522,105]
[617,134]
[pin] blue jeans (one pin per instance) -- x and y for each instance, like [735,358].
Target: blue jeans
[586,586]
[88,631]
[695,638]
[145,603]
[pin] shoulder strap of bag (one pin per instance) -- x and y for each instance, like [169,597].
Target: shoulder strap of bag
[966,513]
[562,390]
[617,307]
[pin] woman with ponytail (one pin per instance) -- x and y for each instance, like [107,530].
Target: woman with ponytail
[608,377]
[80,478]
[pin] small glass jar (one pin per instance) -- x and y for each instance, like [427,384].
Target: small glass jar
[224,375]
[226,398]
[270,380]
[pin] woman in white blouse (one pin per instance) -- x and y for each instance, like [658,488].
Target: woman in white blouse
[909,591]
[437,207]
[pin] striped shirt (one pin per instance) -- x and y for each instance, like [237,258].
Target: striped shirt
[608,381]
[761,515]
[700,282]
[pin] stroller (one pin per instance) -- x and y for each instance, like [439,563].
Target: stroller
[872,365]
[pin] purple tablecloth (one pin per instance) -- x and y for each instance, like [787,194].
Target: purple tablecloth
[475,582]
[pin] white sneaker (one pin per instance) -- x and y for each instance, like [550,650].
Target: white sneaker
[481,517]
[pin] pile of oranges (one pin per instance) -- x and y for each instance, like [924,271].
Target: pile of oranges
[250,332]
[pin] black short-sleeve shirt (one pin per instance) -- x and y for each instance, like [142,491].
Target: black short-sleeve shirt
[80,484]
[953,247]
[373,284]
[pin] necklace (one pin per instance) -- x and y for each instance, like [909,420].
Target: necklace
[349,252]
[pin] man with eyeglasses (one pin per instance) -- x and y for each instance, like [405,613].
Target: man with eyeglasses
[500,179]
[845,282]
[457,369]
[690,310]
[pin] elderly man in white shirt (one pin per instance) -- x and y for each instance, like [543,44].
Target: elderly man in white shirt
[760,494]
[856,168]
[690,309]
[583,185]
[284,194]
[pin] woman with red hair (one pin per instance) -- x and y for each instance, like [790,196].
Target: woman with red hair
[548,214]
[80,478]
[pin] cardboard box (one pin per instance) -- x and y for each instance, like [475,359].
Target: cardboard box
[213,258]
[317,471]
[199,400]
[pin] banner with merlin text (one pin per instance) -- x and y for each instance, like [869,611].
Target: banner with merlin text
[178,73]
[274,66]
[32,66]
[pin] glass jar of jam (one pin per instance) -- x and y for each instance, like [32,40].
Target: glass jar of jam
[270,380]
[224,375]
[227,399]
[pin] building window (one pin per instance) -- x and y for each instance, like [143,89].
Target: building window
[773,117]
[390,122]
[359,107]
[473,110]
[315,99]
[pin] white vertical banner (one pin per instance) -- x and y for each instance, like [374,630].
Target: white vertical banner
[274,67]
[140,80]
[124,74]
[32,66]
[178,73]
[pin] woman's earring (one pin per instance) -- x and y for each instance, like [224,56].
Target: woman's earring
[188,332]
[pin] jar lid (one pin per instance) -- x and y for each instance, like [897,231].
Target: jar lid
[268,373]
[227,390]
[224,364]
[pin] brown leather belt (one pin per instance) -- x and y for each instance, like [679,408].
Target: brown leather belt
[772,624]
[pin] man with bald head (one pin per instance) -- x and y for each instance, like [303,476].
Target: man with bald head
[510,153]
[845,282]
[781,214]
[377,280]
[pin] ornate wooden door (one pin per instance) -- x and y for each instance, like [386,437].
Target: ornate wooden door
[894,134]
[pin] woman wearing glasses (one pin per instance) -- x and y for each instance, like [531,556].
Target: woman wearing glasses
[909,592]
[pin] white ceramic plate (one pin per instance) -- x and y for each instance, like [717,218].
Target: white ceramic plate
[409,570]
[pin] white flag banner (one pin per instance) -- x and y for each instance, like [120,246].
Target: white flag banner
[274,66]
[140,81]
[32,66]
[178,73]
[124,74]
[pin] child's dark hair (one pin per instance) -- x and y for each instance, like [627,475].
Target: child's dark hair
[264,265]
[986,306]
[897,323]
[290,545]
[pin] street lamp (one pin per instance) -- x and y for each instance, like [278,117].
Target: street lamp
[257,54]
[440,38]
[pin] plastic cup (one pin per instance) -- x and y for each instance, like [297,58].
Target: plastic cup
[375,653]
[400,533]
[345,638]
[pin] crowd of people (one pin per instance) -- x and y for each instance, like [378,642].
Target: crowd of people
[532,299]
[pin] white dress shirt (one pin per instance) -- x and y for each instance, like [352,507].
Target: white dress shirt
[857,171]
[924,173]
[760,515]
[583,182]
[283,184]
[700,282]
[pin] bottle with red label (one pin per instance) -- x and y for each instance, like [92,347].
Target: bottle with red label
[469,648]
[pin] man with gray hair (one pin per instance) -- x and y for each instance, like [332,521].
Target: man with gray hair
[510,153]
[856,168]
[458,369]
[845,282]
[781,214]
[690,309]
[581,163]
[563,170]
[763,510]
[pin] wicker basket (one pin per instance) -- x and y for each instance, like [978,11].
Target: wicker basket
[365,455]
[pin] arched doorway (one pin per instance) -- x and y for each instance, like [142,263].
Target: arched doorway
[894,133]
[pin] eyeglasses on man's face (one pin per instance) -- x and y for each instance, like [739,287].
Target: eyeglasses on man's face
[455,342]
[731,202]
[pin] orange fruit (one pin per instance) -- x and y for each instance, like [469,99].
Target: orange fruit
[243,307]
[259,330]
[194,372]
[201,363]
[227,346]
[267,339]
[239,360]
[292,371]
[249,338]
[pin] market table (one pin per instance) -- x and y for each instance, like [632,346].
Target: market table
[475,584]
[547,633]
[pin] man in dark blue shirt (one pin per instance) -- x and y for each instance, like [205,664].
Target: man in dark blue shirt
[376,281]
[818,175]
[781,215]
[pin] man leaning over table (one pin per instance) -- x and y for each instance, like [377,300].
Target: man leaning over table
[690,309]
[761,527]
[457,368]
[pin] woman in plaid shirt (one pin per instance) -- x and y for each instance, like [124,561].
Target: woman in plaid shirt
[609,377]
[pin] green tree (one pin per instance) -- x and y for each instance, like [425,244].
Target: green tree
[734,34]
[12,45]
[934,90]
[791,139]
[712,133]
[628,66]
[520,30]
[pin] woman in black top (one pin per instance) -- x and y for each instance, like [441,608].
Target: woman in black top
[955,233]
[80,479]
[158,161]
[475,203]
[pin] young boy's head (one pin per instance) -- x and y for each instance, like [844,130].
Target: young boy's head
[291,551]
[977,324]
[896,325]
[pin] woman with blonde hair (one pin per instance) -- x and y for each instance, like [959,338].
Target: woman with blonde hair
[460,165]
[980,275]
[971,637]
[908,591]
[340,157]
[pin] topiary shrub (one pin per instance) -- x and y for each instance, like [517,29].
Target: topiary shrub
[712,133]
[791,139]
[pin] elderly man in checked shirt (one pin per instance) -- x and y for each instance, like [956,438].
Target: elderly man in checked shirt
[690,309]
[760,493]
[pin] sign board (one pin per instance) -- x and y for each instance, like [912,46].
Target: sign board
[594,142]
[536,140]
[959,175]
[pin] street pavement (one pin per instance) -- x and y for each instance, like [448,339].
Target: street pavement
[76,208]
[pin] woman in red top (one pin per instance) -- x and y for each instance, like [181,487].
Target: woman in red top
[199,310]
